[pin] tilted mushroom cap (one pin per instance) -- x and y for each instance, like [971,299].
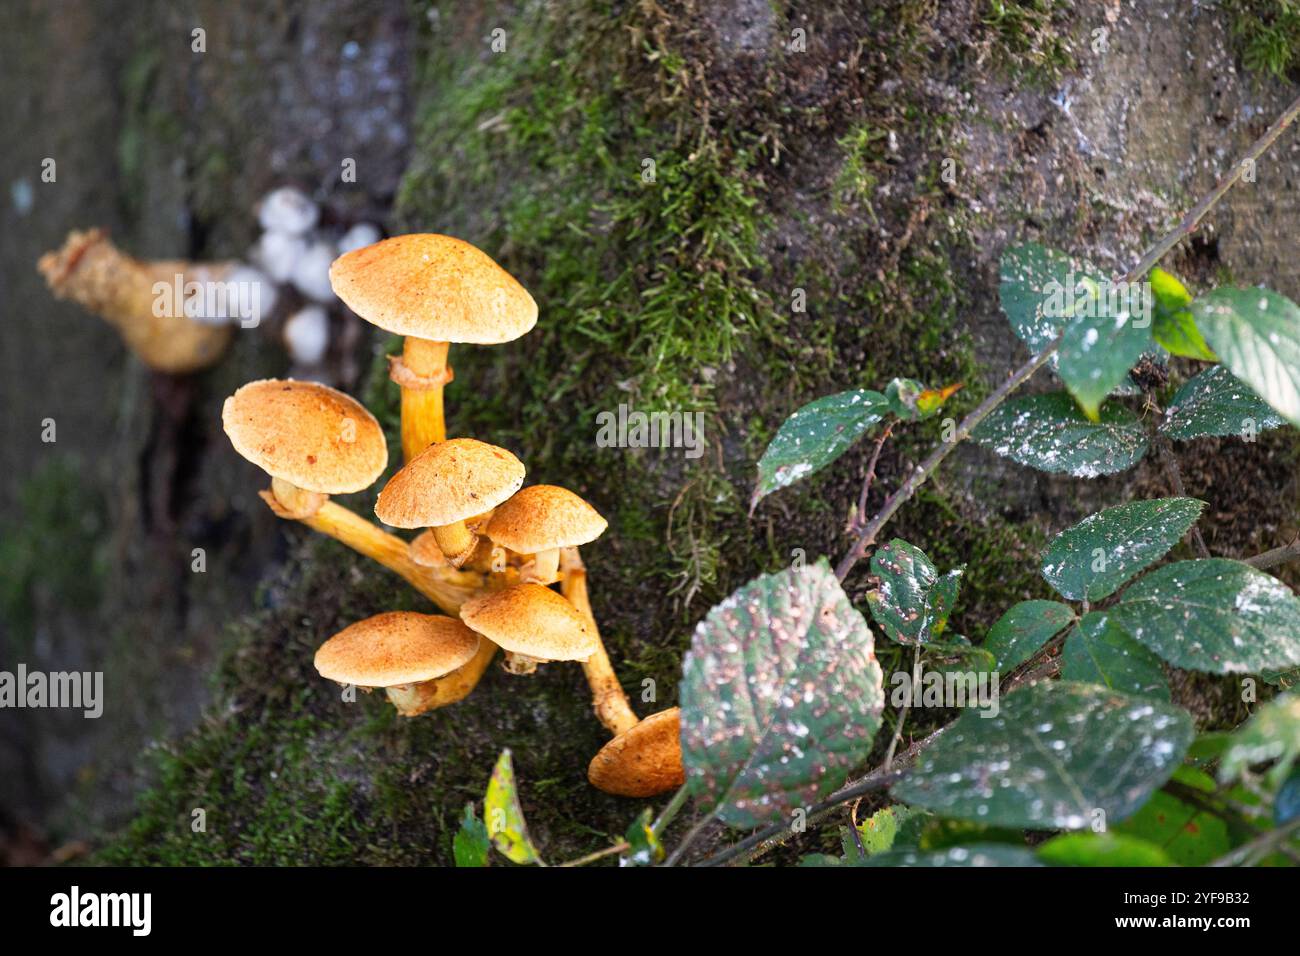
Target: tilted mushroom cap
[449,482]
[397,647]
[533,620]
[643,761]
[540,517]
[308,434]
[434,287]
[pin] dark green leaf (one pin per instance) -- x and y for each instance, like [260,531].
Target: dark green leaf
[781,696]
[816,435]
[1024,628]
[1213,615]
[1216,402]
[1101,849]
[1101,345]
[1272,735]
[471,844]
[1094,558]
[1100,652]
[959,656]
[1056,754]
[1033,279]
[1256,334]
[912,602]
[504,816]
[1048,432]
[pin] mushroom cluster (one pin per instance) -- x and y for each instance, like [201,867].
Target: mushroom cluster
[488,550]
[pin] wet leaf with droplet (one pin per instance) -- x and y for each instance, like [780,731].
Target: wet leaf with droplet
[781,696]
[1217,403]
[1273,734]
[1056,754]
[814,436]
[1256,334]
[1213,615]
[913,601]
[1129,537]
[1048,432]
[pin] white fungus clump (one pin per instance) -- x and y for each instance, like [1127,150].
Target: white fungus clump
[307,335]
[287,210]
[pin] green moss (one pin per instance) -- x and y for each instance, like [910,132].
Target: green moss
[1267,34]
[1028,36]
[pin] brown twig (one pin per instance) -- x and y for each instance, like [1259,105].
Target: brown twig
[860,515]
[1276,556]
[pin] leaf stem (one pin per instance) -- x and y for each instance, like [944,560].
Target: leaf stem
[669,812]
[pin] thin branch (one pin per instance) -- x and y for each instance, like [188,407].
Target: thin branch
[1199,211]
[1277,556]
[687,840]
[1144,265]
[598,855]
[1170,461]
[861,514]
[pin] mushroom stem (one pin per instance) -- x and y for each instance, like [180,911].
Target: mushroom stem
[445,587]
[607,697]
[94,273]
[425,373]
[544,568]
[456,541]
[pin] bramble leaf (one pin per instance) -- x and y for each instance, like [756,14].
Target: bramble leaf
[814,436]
[1055,754]
[1093,559]
[781,696]
[1216,402]
[912,602]
[1048,432]
[1023,629]
[1213,615]
[1099,347]
[1256,334]
[1099,652]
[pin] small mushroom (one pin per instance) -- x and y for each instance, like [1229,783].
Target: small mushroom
[446,484]
[643,761]
[315,442]
[645,757]
[532,624]
[402,652]
[540,520]
[434,290]
[167,335]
